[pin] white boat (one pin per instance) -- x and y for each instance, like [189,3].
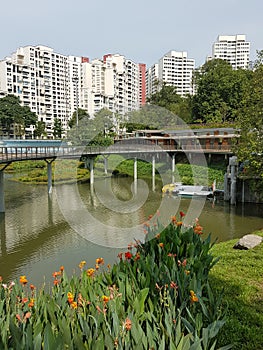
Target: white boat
[193,191]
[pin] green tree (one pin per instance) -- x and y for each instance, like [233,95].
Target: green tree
[82,114]
[166,97]
[250,120]
[220,91]
[40,129]
[57,128]
[14,116]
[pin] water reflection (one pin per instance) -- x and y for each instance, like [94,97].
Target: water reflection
[36,238]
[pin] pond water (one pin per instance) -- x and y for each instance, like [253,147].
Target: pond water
[41,232]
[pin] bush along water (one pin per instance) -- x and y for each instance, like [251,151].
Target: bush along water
[156,297]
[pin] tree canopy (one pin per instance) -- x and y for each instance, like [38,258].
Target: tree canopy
[11,113]
[250,121]
[220,92]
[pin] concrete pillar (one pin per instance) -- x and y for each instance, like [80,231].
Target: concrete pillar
[153,173]
[105,165]
[2,194]
[173,162]
[49,177]
[91,170]
[226,188]
[89,164]
[153,166]
[173,167]
[233,179]
[135,169]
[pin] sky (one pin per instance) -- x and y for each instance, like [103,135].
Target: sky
[141,30]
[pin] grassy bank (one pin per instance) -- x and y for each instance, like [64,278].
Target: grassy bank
[240,274]
[68,170]
[35,172]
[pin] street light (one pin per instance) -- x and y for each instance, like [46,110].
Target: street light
[76,80]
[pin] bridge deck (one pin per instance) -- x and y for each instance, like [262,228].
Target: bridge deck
[14,154]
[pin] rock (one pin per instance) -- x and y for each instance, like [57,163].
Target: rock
[248,242]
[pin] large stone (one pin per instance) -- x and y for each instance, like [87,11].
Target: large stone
[248,242]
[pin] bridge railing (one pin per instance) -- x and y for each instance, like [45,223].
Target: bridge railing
[9,154]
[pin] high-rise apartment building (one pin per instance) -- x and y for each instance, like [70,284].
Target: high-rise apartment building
[41,79]
[234,49]
[55,85]
[174,69]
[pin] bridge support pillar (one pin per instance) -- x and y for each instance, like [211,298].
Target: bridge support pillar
[2,194]
[173,167]
[233,179]
[135,169]
[105,165]
[89,163]
[153,172]
[49,175]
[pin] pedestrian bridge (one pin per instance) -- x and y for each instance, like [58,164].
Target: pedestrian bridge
[42,152]
[49,150]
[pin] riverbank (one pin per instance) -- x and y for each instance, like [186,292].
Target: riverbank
[239,274]
[65,171]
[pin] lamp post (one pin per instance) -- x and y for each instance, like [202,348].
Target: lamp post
[75,81]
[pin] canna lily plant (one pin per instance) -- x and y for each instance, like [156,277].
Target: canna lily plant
[156,297]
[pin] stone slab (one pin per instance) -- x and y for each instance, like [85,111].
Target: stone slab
[248,242]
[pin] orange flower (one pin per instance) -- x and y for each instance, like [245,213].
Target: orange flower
[70,297]
[56,274]
[56,282]
[193,297]
[32,287]
[137,257]
[24,300]
[23,280]
[173,285]
[90,272]
[61,268]
[187,272]
[198,229]
[171,255]
[82,264]
[128,324]
[158,236]
[74,304]
[105,299]
[161,245]
[179,223]
[184,263]
[100,261]
[31,303]
[173,218]
[1,279]
[27,315]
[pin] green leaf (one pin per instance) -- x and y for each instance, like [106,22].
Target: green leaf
[139,302]
[49,338]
